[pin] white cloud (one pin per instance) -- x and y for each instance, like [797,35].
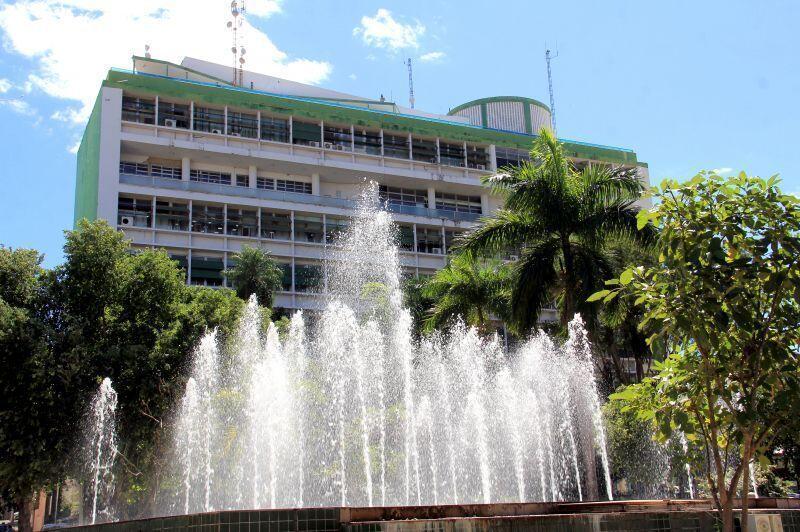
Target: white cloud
[353,76]
[430,57]
[75,42]
[383,31]
[19,106]
[722,171]
[5,85]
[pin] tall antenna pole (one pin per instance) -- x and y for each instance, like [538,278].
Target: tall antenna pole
[548,57]
[410,84]
[236,25]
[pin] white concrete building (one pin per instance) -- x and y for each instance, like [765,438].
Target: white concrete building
[180,159]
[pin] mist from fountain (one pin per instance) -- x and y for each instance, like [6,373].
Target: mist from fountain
[347,409]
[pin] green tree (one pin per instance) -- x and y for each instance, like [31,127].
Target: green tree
[559,218]
[723,303]
[468,288]
[255,272]
[417,303]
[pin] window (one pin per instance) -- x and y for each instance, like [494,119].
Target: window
[209,120]
[167,172]
[172,215]
[182,260]
[134,212]
[307,277]
[335,227]
[477,157]
[429,240]
[133,168]
[242,125]
[298,187]
[306,133]
[367,142]
[395,146]
[458,203]
[450,239]
[337,138]
[274,129]
[265,182]
[423,150]
[307,228]
[510,157]
[207,219]
[394,196]
[210,176]
[242,222]
[405,237]
[141,110]
[286,280]
[207,271]
[173,115]
[242,180]
[276,225]
[451,154]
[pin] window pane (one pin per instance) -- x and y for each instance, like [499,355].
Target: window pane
[274,129]
[173,115]
[172,215]
[141,110]
[134,212]
[275,225]
[307,228]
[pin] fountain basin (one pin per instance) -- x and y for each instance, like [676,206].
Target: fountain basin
[664,515]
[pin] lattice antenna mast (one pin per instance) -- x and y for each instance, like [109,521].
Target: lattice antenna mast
[236,25]
[410,84]
[548,57]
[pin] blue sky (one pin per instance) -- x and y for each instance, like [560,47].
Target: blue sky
[687,85]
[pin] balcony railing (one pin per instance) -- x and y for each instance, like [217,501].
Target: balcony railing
[293,197]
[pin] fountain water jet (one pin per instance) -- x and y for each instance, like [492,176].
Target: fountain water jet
[102,451]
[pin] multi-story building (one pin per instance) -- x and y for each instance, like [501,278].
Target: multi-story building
[181,159]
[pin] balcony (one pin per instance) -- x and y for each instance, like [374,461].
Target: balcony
[291,197]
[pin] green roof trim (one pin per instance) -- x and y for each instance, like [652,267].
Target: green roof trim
[88,168]
[493,99]
[392,123]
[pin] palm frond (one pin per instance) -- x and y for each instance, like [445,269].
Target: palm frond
[617,220]
[505,229]
[605,185]
[534,276]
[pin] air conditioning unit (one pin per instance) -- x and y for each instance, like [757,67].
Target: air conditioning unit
[436,251]
[513,257]
[216,131]
[170,122]
[480,166]
[236,134]
[126,220]
[765,522]
[314,143]
[328,145]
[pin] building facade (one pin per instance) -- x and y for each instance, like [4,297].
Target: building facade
[180,159]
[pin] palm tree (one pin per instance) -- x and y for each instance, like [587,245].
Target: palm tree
[255,272]
[472,289]
[558,218]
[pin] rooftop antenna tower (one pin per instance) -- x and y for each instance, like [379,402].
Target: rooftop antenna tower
[410,84]
[548,57]
[236,25]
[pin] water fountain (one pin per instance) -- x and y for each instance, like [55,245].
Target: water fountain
[347,410]
[101,452]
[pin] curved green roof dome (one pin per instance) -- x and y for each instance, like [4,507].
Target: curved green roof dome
[479,101]
[506,113]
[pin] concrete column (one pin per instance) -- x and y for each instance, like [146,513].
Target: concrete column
[315,184]
[484,204]
[431,198]
[186,167]
[252,179]
[492,158]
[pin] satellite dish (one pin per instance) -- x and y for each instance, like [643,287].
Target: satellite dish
[241,60]
[243,50]
[230,23]
[146,47]
[233,49]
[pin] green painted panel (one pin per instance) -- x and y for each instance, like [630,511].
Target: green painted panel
[333,113]
[483,101]
[88,168]
[526,113]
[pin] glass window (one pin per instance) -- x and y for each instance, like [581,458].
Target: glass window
[242,180]
[274,129]
[286,280]
[134,212]
[367,141]
[405,237]
[209,120]
[393,196]
[298,187]
[167,172]
[141,110]
[207,271]
[133,168]
[242,125]
[307,277]
[172,215]
[265,182]
[173,114]
[182,260]
[242,222]
[450,239]
[510,157]
[395,146]
[335,227]
[423,150]
[477,157]
[429,240]
[210,176]
[306,133]
[276,225]
[307,228]
[458,203]
[207,218]
[337,138]
[451,154]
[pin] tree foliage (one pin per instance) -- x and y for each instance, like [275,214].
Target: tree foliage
[255,272]
[723,304]
[558,217]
